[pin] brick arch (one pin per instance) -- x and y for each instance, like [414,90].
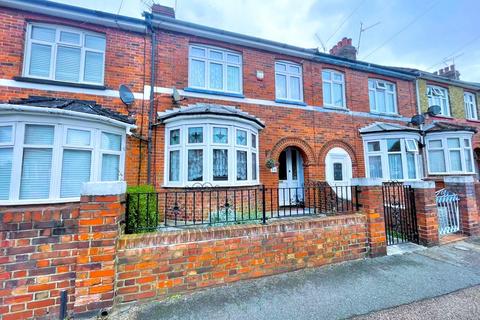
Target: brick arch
[336,144]
[307,152]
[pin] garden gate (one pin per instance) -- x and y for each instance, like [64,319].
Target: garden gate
[448,212]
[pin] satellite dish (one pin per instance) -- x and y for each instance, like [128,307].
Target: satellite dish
[126,95]
[176,95]
[417,119]
[434,110]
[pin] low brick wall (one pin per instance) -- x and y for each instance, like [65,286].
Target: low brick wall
[157,265]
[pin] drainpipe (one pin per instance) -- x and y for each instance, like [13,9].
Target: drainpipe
[422,134]
[148,18]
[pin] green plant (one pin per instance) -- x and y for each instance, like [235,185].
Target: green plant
[270,163]
[227,216]
[142,209]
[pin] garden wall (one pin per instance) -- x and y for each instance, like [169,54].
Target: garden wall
[157,265]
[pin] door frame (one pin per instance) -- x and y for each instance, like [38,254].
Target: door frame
[290,191]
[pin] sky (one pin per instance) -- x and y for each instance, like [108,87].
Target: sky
[423,34]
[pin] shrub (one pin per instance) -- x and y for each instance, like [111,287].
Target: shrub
[142,209]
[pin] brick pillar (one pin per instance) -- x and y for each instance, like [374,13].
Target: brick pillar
[464,186]
[371,200]
[101,210]
[427,218]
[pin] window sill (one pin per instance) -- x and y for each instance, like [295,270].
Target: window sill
[7,203]
[217,93]
[298,103]
[451,174]
[473,120]
[443,117]
[213,186]
[60,83]
[344,109]
[384,114]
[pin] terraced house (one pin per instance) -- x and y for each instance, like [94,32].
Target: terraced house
[265,129]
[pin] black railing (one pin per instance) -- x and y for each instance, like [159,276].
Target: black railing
[225,206]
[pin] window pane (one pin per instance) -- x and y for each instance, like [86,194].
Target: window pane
[254,166]
[69,37]
[294,165]
[38,134]
[174,137]
[220,165]
[242,137]
[453,143]
[373,100]
[75,171]
[381,104]
[435,143]
[110,167]
[195,165]
[412,172]
[43,34]
[338,94]
[197,73]
[254,141]
[233,79]
[216,76]
[216,55]
[395,166]
[326,75]
[294,69]
[390,103]
[111,141]
[40,60]
[436,161]
[174,167]
[195,135]
[373,146]
[327,93]
[94,42]
[455,160]
[281,86]
[337,172]
[468,160]
[337,77]
[197,52]
[280,67]
[371,84]
[465,141]
[5,172]
[6,134]
[68,64]
[220,135]
[394,145]
[36,170]
[231,58]
[295,88]
[375,166]
[241,165]
[93,67]
[78,137]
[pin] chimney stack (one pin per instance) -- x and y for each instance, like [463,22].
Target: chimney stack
[344,49]
[163,10]
[448,72]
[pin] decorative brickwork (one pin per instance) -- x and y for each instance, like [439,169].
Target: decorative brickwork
[304,147]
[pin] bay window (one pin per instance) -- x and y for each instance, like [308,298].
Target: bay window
[288,81]
[438,96]
[54,157]
[214,151]
[64,54]
[382,96]
[333,89]
[215,69]
[470,106]
[449,153]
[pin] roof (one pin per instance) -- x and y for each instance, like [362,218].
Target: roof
[209,109]
[386,127]
[439,126]
[82,106]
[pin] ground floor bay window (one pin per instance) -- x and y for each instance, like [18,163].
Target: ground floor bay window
[47,158]
[449,153]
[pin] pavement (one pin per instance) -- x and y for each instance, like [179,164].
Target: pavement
[340,291]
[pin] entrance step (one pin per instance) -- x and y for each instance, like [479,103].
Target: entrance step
[453,237]
[402,248]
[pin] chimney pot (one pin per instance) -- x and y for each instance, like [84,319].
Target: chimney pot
[344,49]
[163,10]
[449,72]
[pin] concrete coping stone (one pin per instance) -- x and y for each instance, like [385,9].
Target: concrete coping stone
[367,182]
[459,179]
[421,184]
[104,188]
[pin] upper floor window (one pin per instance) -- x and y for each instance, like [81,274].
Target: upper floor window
[288,81]
[64,54]
[333,89]
[382,96]
[215,69]
[470,106]
[438,96]
[449,153]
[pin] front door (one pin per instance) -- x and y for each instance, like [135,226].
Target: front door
[338,171]
[290,176]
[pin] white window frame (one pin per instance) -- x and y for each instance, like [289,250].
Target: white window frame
[438,96]
[443,136]
[61,125]
[208,146]
[332,81]
[288,75]
[224,62]
[58,29]
[382,139]
[469,99]
[381,87]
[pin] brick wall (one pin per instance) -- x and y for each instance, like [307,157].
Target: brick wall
[163,264]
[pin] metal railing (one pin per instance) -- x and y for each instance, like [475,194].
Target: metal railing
[447,210]
[226,206]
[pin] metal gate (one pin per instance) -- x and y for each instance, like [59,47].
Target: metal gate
[400,213]
[448,212]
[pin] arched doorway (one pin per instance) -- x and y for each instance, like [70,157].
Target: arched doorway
[290,177]
[338,167]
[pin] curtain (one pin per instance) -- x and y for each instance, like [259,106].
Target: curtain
[93,67]
[254,166]
[395,166]
[40,60]
[436,161]
[94,42]
[412,172]
[70,37]
[220,165]
[67,66]
[233,78]
[468,160]
[195,165]
[75,171]
[455,160]
[327,93]
[111,141]
[281,86]
[295,88]
[36,173]
[5,134]
[216,76]
[375,166]
[5,172]
[78,137]
[110,167]
[337,94]
[241,165]
[197,73]
[174,167]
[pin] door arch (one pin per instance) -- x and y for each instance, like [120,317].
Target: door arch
[338,167]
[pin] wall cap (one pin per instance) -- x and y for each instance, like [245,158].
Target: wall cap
[367,182]
[459,179]
[421,184]
[105,188]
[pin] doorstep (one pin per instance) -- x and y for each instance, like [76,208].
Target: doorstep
[453,237]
